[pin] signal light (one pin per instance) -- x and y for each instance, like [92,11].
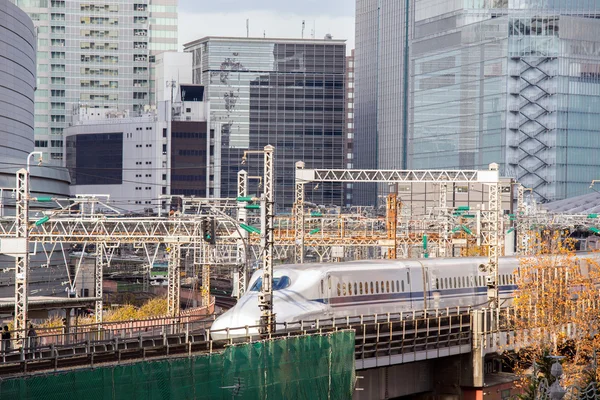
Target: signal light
[207,227]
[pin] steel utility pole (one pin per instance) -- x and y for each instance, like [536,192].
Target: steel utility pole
[98,288]
[299,218]
[493,226]
[22,258]
[174,280]
[265,299]
[242,218]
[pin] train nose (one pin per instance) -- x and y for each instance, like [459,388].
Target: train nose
[232,325]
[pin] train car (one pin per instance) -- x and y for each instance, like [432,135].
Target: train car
[311,291]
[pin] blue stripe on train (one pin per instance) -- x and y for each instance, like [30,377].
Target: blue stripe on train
[410,296]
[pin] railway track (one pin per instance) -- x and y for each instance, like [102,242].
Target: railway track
[225,301]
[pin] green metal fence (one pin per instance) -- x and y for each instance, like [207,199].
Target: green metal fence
[302,367]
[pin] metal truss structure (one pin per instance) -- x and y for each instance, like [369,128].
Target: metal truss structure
[491,218]
[85,221]
[21,233]
[534,127]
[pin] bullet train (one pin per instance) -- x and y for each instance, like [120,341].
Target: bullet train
[311,291]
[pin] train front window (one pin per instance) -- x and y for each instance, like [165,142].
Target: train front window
[279,283]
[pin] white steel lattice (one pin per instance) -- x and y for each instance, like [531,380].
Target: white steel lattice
[22,260]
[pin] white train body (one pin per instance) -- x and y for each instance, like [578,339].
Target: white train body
[311,291]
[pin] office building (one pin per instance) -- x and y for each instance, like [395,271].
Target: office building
[94,54]
[516,83]
[380,105]
[138,160]
[289,93]
[349,124]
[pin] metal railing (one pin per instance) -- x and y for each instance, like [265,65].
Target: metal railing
[381,339]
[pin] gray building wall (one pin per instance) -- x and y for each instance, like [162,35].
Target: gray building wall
[17,81]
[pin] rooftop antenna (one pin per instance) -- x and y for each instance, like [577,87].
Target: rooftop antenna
[264,34]
[303,25]
[247,27]
[172,84]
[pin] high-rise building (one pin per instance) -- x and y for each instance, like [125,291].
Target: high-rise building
[289,93]
[349,124]
[513,82]
[381,103]
[96,54]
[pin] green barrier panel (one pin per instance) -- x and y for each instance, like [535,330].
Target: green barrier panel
[302,367]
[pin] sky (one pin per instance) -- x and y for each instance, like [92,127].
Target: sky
[275,18]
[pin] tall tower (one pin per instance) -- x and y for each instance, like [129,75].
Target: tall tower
[381,106]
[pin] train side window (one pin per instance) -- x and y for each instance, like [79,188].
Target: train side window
[355,288]
[344,292]
[392,286]
[322,287]
[403,285]
[382,287]
[387,286]
[350,289]
[339,289]
[437,283]
[464,279]
[361,287]
[372,291]
[454,283]
[398,286]
[377,287]
[408,277]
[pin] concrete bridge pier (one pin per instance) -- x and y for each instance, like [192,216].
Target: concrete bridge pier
[445,378]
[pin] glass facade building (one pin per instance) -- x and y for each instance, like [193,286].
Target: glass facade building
[289,93]
[97,54]
[513,82]
[380,104]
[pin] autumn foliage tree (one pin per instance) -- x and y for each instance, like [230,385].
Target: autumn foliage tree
[557,306]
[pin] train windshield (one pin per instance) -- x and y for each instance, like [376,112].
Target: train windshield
[280,282]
